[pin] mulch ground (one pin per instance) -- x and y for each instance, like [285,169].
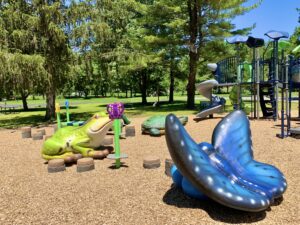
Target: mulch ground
[132,194]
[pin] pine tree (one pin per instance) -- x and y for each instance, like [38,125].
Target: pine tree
[53,46]
[19,45]
[164,23]
[208,19]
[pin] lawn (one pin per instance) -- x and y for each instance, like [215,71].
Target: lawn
[82,109]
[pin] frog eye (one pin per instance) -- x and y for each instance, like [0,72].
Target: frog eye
[96,116]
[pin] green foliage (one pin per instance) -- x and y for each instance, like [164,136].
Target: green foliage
[209,21]
[101,47]
[233,96]
[295,38]
[35,45]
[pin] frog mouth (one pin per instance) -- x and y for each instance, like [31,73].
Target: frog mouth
[100,125]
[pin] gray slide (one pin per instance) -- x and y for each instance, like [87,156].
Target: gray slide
[209,111]
[205,89]
[295,131]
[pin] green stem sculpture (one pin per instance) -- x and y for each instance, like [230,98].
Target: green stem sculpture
[115,112]
[117,131]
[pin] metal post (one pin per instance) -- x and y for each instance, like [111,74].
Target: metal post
[286,83]
[253,81]
[282,135]
[290,109]
[238,78]
[299,103]
[257,81]
[275,55]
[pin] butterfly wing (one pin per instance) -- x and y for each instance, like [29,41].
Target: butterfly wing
[232,140]
[209,173]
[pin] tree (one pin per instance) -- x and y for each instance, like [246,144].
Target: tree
[81,16]
[53,46]
[24,71]
[28,74]
[6,82]
[164,23]
[295,38]
[208,19]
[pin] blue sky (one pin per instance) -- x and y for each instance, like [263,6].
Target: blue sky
[278,15]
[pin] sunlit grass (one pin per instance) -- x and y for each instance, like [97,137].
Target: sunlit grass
[82,109]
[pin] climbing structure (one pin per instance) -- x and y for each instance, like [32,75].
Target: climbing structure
[267,92]
[263,77]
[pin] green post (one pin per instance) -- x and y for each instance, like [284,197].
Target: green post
[57,110]
[67,110]
[68,116]
[117,131]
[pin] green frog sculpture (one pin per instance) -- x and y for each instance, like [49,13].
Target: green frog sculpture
[67,142]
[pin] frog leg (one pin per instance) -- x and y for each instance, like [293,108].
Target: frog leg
[78,146]
[154,132]
[53,149]
[63,156]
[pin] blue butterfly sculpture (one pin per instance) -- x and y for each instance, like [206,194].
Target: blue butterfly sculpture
[225,170]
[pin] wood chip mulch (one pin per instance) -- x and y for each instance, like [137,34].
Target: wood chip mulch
[132,194]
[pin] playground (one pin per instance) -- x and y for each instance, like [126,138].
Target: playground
[132,194]
[118,161]
[149,112]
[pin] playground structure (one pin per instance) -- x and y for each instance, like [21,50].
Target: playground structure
[216,104]
[270,75]
[68,122]
[125,120]
[224,170]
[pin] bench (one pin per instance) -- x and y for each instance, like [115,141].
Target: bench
[6,109]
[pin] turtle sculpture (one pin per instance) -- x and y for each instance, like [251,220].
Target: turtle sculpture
[155,125]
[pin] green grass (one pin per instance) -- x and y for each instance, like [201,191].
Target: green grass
[82,109]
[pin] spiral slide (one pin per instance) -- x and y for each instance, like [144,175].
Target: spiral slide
[205,89]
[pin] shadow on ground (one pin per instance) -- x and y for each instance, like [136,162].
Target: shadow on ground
[131,109]
[216,211]
[35,108]
[38,120]
[163,107]
[17,121]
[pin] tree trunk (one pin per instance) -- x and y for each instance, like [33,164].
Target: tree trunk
[172,80]
[191,82]
[96,92]
[143,87]
[24,101]
[50,101]
[87,77]
[50,95]
[193,9]
[86,94]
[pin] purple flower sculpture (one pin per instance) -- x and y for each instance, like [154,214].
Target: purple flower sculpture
[115,110]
